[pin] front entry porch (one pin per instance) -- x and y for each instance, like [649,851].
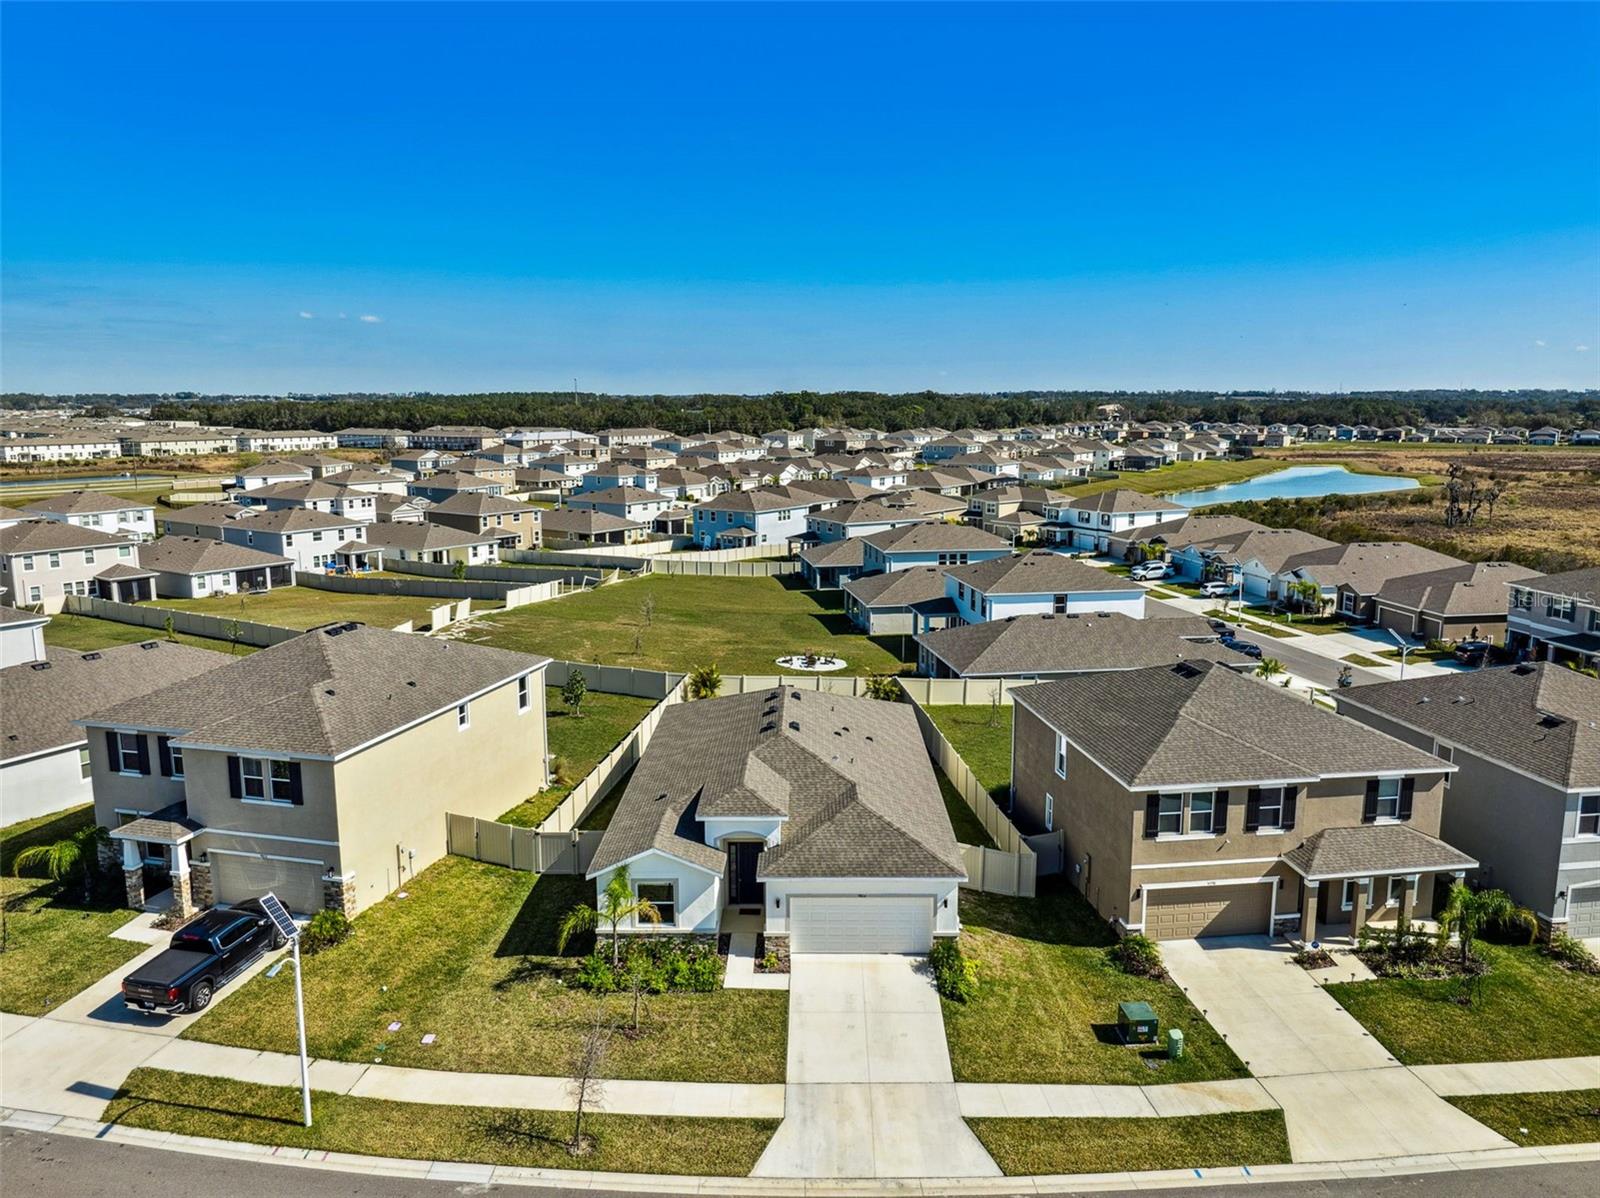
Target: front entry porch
[162,839]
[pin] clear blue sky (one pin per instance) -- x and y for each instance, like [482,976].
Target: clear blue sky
[311,198]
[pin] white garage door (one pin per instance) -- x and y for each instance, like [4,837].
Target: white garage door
[1583,912]
[860,924]
[297,884]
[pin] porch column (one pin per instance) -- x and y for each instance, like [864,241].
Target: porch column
[133,874]
[182,890]
[1308,910]
[1408,897]
[1358,909]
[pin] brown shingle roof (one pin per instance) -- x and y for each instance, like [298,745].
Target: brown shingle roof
[1373,849]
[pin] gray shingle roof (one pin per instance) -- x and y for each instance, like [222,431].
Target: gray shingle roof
[1365,566]
[846,552]
[75,502]
[323,693]
[898,588]
[1124,500]
[40,704]
[565,521]
[851,777]
[1373,848]
[1046,644]
[45,536]
[935,538]
[389,534]
[1473,589]
[1201,723]
[1039,572]
[1541,719]
[12,615]
[202,555]
[1582,585]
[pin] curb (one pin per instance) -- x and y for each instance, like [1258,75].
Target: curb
[457,1171]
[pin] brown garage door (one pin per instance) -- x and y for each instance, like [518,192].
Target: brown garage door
[1190,911]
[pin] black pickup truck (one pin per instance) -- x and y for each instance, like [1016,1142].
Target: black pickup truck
[203,955]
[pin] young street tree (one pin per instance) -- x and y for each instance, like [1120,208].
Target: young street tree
[573,692]
[587,1083]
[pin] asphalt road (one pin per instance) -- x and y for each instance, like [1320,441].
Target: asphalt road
[1324,671]
[43,1165]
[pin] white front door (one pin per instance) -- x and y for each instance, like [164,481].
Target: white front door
[860,924]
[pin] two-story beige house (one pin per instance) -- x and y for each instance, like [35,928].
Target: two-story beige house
[1198,802]
[320,769]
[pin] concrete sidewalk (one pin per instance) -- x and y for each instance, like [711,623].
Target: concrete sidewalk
[1018,1101]
[1512,1077]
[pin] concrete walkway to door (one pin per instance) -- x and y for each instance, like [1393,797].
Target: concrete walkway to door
[1343,1096]
[870,1092]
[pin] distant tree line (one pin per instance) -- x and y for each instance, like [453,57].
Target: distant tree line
[759,413]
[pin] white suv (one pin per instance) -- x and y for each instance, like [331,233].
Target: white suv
[1148,572]
[1216,589]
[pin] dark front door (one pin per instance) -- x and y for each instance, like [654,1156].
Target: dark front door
[742,885]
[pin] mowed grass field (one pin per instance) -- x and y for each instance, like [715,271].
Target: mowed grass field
[304,607]
[85,634]
[1180,476]
[741,624]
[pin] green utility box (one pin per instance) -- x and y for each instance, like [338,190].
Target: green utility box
[1175,1044]
[1137,1022]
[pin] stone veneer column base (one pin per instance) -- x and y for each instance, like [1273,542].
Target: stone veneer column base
[182,896]
[133,887]
[200,883]
[339,893]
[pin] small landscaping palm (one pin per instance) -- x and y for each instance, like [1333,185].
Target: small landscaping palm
[1270,667]
[705,681]
[617,903]
[1468,912]
[884,687]
[75,854]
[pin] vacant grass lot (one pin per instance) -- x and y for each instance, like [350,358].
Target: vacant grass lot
[1561,1117]
[1048,1146]
[741,624]
[1041,964]
[304,607]
[86,633]
[470,956]
[1182,476]
[224,1109]
[55,944]
[982,735]
[1525,1008]
[579,743]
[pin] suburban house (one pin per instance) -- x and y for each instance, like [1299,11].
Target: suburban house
[515,525]
[431,542]
[467,438]
[817,814]
[903,601]
[862,519]
[1350,576]
[1525,798]
[1042,581]
[103,513]
[315,496]
[199,567]
[575,526]
[627,503]
[320,769]
[44,561]
[1047,645]
[284,440]
[313,540]
[1196,801]
[1087,524]
[1453,604]
[828,565]
[44,757]
[270,474]
[439,487]
[761,516]
[21,638]
[1195,545]
[1557,617]
[914,546]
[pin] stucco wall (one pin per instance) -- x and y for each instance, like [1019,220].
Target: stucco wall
[41,785]
[699,893]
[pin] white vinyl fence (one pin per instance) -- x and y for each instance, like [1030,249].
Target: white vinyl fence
[245,632]
[520,848]
[510,594]
[612,768]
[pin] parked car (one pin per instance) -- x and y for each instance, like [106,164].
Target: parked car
[1216,589]
[1221,627]
[1248,648]
[1149,571]
[1472,653]
[202,957]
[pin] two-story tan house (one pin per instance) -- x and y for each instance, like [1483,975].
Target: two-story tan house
[515,525]
[1198,802]
[320,769]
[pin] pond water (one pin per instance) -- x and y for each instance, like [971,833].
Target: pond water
[1296,482]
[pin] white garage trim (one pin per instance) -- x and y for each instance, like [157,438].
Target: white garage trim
[861,923]
[1146,888]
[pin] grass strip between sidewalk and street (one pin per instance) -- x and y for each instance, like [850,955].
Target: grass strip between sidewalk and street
[224,1109]
[1553,1117]
[1041,1146]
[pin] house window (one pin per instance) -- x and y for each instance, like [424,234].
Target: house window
[1169,815]
[282,779]
[663,896]
[84,768]
[1557,607]
[34,594]
[462,720]
[55,561]
[1589,815]
[1049,813]
[252,778]
[1201,807]
[128,746]
[1059,604]
[125,551]
[88,557]
[1388,798]
[1269,812]
[1347,899]
[524,694]
[27,561]
[1521,600]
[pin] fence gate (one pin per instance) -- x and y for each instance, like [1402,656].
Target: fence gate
[1050,850]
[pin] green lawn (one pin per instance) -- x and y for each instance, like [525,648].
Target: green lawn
[1181,476]
[1361,659]
[1525,1008]
[1299,622]
[1049,1146]
[741,624]
[580,743]
[963,821]
[224,1109]
[86,633]
[55,944]
[1249,625]
[1420,653]
[470,957]
[1041,965]
[305,607]
[982,735]
[1559,1117]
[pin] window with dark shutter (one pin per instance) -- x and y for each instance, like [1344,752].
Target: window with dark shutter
[1252,809]
[297,794]
[235,787]
[113,750]
[1219,813]
[1291,797]
[1152,816]
[143,751]
[164,755]
[1408,788]
[1369,808]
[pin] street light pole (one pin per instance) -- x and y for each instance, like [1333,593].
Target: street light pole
[300,1026]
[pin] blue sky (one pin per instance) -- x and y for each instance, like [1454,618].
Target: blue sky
[662,198]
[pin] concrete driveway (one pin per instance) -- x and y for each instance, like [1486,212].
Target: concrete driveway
[870,1092]
[1343,1096]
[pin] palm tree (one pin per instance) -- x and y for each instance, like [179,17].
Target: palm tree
[705,681]
[78,853]
[1468,912]
[617,903]
[1270,667]
[883,686]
